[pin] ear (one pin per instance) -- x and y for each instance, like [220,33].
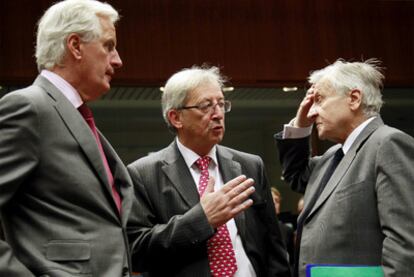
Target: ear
[73,44]
[355,99]
[174,117]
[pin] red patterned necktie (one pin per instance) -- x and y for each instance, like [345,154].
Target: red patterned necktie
[219,248]
[87,115]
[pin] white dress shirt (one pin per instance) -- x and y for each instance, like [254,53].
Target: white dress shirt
[289,131]
[244,266]
[67,89]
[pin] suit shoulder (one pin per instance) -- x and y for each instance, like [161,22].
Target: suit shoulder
[30,92]
[385,133]
[240,155]
[148,161]
[31,95]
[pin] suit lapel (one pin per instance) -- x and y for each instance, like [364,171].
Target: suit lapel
[230,169]
[346,162]
[77,127]
[179,175]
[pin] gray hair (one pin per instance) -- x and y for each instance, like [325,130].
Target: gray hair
[64,18]
[183,82]
[364,76]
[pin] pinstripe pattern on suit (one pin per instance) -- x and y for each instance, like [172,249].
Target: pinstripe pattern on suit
[174,228]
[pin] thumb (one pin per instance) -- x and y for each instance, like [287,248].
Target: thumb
[210,185]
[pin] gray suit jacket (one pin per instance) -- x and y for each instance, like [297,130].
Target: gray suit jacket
[365,214]
[174,229]
[57,209]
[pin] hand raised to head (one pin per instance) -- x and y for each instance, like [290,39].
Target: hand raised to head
[222,205]
[302,116]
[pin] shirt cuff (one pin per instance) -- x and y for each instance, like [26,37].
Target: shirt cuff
[290,132]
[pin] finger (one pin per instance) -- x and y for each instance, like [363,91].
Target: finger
[210,185]
[243,206]
[307,101]
[240,188]
[241,197]
[301,119]
[310,90]
[233,183]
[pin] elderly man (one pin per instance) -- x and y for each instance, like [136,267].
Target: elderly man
[205,209]
[64,193]
[359,194]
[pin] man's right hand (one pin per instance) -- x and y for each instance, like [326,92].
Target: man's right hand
[222,205]
[304,116]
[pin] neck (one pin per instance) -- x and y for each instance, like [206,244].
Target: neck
[357,120]
[199,149]
[71,77]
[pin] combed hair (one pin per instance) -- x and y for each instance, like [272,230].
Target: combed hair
[183,82]
[64,18]
[365,76]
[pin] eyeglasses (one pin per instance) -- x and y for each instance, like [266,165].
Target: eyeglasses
[208,106]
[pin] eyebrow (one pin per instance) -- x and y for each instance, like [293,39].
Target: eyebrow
[209,99]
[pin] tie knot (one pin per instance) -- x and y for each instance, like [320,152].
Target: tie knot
[85,111]
[203,162]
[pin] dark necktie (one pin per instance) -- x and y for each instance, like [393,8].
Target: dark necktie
[220,250]
[88,116]
[339,154]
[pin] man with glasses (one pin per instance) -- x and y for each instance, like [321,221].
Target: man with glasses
[204,209]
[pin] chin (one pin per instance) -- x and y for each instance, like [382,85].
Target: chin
[217,140]
[321,136]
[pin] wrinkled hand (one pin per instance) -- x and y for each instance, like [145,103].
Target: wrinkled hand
[222,205]
[303,119]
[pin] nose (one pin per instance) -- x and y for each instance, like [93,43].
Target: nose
[116,61]
[217,112]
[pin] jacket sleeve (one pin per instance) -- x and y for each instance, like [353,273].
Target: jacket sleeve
[18,159]
[294,156]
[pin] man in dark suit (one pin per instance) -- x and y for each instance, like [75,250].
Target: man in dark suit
[179,228]
[360,212]
[65,195]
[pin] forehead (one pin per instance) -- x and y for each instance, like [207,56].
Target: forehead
[108,28]
[323,87]
[206,91]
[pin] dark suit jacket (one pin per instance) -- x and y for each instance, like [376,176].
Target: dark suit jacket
[174,229]
[58,213]
[365,213]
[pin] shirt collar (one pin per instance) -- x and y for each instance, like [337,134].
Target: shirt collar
[67,89]
[190,157]
[355,133]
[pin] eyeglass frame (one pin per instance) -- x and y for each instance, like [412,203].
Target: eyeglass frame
[209,107]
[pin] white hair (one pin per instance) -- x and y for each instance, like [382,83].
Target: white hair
[64,18]
[364,76]
[183,82]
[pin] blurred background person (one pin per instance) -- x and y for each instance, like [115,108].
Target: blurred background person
[286,228]
[300,205]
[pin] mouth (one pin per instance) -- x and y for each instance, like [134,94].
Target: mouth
[109,74]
